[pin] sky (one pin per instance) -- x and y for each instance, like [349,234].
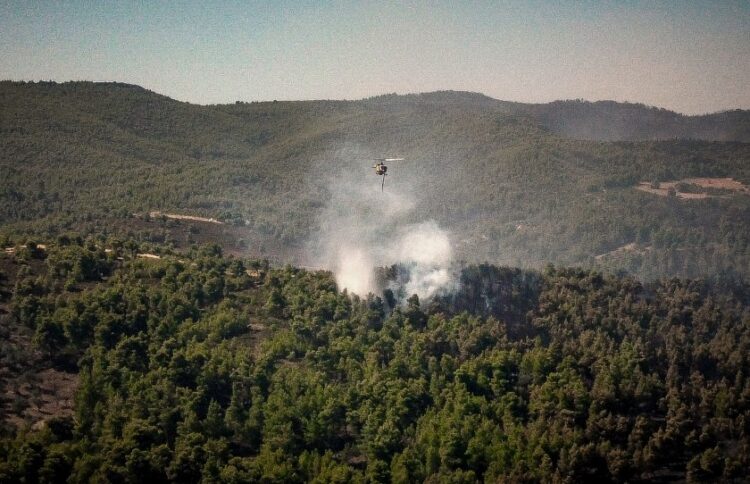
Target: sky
[691,57]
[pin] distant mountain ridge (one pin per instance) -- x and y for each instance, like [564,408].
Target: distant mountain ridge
[614,121]
[516,184]
[577,119]
[601,120]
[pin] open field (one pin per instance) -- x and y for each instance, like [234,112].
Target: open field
[700,188]
[193,218]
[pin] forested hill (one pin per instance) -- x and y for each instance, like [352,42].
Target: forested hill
[196,367]
[607,120]
[613,121]
[506,180]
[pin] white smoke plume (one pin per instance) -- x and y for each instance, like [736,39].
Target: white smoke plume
[362,228]
[425,250]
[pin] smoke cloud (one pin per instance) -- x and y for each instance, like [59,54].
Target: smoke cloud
[362,228]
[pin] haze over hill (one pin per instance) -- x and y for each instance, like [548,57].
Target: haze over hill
[612,121]
[511,183]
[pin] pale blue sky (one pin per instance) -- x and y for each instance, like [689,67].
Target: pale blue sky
[693,57]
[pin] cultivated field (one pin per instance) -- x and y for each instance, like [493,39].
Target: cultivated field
[694,188]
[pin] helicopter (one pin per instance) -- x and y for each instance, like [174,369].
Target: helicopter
[382,170]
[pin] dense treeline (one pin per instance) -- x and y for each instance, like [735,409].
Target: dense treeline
[86,157]
[197,367]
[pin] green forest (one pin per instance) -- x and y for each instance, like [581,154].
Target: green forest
[551,183]
[598,330]
[200,367]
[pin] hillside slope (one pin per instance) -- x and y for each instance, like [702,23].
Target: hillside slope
[499,176]
[194,367]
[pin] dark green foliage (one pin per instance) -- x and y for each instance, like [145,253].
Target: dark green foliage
[566,375]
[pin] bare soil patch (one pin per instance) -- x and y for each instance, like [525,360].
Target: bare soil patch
[174,216]
[31,390]
[694,188]
[632,247]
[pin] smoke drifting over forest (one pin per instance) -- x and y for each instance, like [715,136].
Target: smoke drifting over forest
[362,227]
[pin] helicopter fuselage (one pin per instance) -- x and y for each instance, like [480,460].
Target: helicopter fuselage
[380,169]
